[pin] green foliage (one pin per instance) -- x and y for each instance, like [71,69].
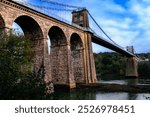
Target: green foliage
[17,80]
[113,63]
[109,63]
[32,86]
[144,66]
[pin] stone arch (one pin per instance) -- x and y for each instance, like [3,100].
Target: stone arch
[59,56]
[2,24]
[33,31]
[29,26]
[77,54]
[57,36]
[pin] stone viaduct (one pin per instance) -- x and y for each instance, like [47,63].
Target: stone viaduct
[71,58]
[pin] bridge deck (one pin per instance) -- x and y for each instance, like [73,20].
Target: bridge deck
[101,41]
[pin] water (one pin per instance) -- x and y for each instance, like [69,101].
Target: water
[115,79]
[99,95]
[84,95]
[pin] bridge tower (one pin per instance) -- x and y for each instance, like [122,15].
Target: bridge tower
[80,17]
[131,64]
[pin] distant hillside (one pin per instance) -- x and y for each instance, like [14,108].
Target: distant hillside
[114,63]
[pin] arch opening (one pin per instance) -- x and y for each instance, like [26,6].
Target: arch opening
[58,56]
[77,58]
[31,29]
[17,29]
[57,36]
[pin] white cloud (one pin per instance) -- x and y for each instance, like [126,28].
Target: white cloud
[122,37]
[128,27]
[127,24]
[141,10]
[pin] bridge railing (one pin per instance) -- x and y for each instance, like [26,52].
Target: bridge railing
[46,12]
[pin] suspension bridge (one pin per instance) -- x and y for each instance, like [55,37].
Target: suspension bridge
[105,40]
[71,58]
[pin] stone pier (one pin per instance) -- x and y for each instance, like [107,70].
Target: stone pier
[131,67]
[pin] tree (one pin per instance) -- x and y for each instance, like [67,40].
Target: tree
[113,63]
[17,79]
[109,63]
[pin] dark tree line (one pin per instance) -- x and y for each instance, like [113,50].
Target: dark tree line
[114,63]
[144,65]
[17,79]
[109,63]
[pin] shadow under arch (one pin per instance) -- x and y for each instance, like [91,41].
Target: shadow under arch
[57,36]
[29,26]
[59,57]
[2,24]
[32,30]
[77,59]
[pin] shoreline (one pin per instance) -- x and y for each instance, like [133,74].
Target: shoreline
[115,88]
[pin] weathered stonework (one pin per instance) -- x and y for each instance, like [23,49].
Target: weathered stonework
[131,67]
[59,65]
[77,54]
[89,59]
[78,67]
[63,66]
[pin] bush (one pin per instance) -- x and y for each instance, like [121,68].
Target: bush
[17,80]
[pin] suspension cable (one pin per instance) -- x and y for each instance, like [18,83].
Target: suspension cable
[102,29]
[61,4]
[49,8]
[44,7]
[137,55]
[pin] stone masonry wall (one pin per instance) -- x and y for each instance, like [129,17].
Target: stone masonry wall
[58,65]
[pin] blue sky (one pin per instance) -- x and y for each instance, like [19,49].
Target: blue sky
[127,22]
